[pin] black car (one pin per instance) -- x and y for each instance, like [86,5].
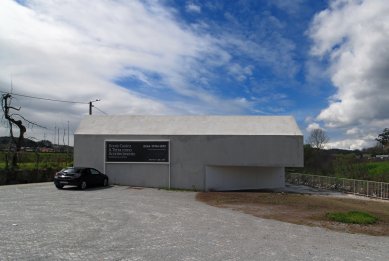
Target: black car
[81,177]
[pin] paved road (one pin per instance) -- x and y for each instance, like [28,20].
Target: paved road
[39,222]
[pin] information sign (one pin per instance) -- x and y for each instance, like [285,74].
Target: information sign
[137,151]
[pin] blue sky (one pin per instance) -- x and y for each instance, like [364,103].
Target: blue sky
[274,80]
[324,62]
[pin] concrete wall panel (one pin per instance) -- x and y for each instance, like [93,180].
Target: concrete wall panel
[136,174]
[189,156]
[243,178]
[89,152]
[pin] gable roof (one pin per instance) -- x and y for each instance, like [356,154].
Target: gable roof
[187,125]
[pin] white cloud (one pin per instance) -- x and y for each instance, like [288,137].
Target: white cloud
[349,144]
[353,131]
[193,8]
[75,50]
[357,138]
[275,51]
[239,72]
[313,126]
[353,36]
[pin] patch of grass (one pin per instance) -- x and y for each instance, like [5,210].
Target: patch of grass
[352,217]
[376,168]
[28,160]
[42,165]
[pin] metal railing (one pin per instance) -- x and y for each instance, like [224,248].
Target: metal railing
[366,188]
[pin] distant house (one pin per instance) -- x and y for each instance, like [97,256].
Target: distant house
[382,157]
[45,149]
[27,149]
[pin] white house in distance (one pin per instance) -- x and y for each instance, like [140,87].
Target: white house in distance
[190,152]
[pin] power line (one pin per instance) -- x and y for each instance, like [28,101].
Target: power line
[45,99]
[56,100]
[100,110]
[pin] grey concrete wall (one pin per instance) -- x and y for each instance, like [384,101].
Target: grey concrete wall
[243,178]
[138,174]
[189,155]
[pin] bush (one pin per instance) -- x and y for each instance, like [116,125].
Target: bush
[352,217]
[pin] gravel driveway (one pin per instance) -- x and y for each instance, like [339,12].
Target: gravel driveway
[39,222]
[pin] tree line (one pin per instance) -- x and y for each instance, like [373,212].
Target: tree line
[354,164]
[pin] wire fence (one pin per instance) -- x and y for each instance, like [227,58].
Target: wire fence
[366,188]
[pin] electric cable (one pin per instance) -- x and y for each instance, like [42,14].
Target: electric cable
[46,99]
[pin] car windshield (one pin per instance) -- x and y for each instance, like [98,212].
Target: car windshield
[72,170]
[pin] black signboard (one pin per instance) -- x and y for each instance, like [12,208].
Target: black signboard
[137,151]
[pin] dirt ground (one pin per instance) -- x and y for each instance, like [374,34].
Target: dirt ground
[304,209]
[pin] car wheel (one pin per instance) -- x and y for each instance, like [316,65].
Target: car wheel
[83,185]
[105,183]
[59,186]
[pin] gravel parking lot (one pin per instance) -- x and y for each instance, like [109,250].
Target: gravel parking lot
[39,222]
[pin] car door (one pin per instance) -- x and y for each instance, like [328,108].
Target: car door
[97,177]
[88,177]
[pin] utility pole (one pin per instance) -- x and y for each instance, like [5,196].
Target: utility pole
[91,105]
[68,135]
[67,148]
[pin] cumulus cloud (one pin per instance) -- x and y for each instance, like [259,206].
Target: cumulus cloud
[313,126]
[352,131]
[354,36]
[350,144]
[357,138]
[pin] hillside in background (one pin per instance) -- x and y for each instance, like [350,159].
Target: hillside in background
[31,145]
[356,164]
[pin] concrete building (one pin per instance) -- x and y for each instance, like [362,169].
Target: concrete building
[190,152]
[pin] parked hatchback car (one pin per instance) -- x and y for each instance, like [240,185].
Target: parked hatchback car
[81,177]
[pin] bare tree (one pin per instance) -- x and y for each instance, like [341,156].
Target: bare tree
[14,119]
[317,138]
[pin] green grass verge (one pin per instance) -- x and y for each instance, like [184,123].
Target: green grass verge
[28,160]
[43,165]
[376,168]
[352,217]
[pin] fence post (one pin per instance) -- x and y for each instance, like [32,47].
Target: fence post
[381,191]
